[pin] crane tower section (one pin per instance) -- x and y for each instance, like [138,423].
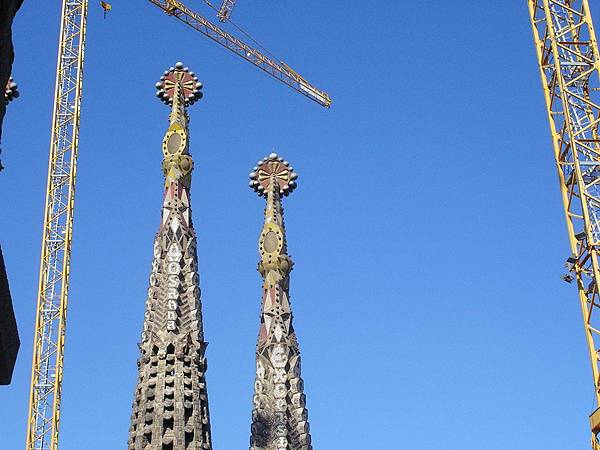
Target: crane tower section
[567,53]
[51,314]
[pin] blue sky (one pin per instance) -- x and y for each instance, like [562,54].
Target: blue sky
[427,229]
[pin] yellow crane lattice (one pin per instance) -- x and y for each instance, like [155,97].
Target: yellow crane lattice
[51,314]
[569,62]
[276,69]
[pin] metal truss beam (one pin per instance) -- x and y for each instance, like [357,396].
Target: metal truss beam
[51,314]
[278,70]
[568,58]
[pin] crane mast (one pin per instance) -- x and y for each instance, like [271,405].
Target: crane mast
[278,70]
[51,314]
[568,58]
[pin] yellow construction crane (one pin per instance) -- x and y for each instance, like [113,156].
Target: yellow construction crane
[51,313]
[225,10]
[276,69]
[569,62]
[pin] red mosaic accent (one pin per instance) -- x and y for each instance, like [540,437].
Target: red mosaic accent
[187,81]
[265,171]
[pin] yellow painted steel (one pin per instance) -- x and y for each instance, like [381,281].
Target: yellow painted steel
[277,69]
[569,62]
[51,314]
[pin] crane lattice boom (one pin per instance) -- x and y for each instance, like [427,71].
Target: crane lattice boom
[567,53]
[51,315]
[278,70]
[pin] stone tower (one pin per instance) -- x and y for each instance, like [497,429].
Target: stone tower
[170,408]
[279,416]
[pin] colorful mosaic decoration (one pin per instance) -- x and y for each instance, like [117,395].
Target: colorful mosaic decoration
[170,407]
[279,416]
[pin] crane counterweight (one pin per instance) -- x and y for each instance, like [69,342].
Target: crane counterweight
[225,10]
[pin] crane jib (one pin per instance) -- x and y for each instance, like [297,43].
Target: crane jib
[277,70]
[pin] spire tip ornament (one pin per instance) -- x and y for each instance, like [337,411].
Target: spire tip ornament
[273,167]
[179,79]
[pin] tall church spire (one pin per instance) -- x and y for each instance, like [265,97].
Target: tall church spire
[279,416]
[170,407]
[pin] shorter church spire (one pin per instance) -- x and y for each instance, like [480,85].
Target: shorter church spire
[279,416]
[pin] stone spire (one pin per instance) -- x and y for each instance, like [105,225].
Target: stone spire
[279,416]
[170,408]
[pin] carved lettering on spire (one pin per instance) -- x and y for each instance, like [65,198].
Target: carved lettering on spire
[170,407]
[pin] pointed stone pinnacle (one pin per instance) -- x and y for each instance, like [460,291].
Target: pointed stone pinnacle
[279,415]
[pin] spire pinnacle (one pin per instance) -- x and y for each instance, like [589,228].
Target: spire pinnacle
[178,88]
[279,416]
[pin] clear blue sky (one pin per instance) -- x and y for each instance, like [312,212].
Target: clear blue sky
[427,229]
